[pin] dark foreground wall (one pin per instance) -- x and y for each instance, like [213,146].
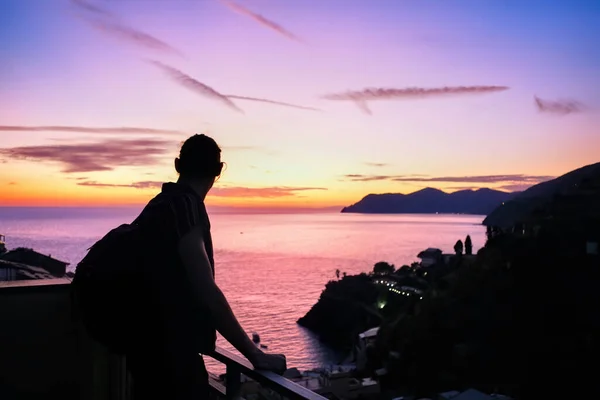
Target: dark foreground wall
[43,355]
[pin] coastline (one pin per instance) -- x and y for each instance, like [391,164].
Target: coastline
[258,270]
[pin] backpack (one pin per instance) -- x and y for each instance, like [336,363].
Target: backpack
[108,285]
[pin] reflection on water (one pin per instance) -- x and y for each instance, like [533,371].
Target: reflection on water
[275,271]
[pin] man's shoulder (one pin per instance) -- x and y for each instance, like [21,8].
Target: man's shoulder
[182,202]
[184,208]
[174,197]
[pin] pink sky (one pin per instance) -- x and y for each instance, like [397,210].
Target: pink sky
[60,71]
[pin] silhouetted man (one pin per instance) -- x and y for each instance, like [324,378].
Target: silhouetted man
[185,307]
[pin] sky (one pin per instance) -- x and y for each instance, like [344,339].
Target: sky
[96,97]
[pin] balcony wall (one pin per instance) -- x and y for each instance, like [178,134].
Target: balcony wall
[43,355]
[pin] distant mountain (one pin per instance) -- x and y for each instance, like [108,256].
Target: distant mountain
[526,202]
[431,201]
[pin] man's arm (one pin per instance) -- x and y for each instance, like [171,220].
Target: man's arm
[199,271]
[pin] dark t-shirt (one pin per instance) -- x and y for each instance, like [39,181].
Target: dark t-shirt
[167,218]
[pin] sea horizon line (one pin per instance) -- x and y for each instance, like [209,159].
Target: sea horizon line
[210,208]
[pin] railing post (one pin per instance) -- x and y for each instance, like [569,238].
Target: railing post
[233,382]
[273,383]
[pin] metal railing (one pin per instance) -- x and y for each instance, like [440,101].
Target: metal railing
[237,366]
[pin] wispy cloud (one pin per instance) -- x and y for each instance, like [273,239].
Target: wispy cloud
[363,106]
[133,35]
[479,178]
[411,92]
[516,187]
[376,164]
[89,129]
[360,97]
[108,23]
[86,6]
[513,187]
[261,20]
[12,183]
[98,156]
[195,85]
[458,188]
[366,178]
[279,103]
[559,107]
[227,191]
[522,179]
[262,192]
[135,185]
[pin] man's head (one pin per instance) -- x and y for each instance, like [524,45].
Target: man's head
[199,160]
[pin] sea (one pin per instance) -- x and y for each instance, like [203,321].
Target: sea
[271,267]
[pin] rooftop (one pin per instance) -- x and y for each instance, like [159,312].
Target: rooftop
[429,252]
[23,271]
[23,252]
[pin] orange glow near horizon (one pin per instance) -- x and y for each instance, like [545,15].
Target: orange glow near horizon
[40,193]
[439,100]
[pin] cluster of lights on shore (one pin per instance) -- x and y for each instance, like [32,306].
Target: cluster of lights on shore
[408,291]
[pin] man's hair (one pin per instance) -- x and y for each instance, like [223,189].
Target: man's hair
[200,157]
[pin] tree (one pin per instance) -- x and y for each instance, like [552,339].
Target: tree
[458,247]
[337,273]
[383,267]
[404,270]
[488,233]
[468,245]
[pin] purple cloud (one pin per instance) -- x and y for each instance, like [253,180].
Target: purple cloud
[517,187]
[135,185]
[108,23]
[559,107]
[361,97]
[278,103]
[89,129]
[228,191]
[263,192]
[261,20]
[97,156]
[522,179]
[133,35]
[195,85]
[86,6]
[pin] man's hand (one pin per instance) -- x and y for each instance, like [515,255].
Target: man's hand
[268,362]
